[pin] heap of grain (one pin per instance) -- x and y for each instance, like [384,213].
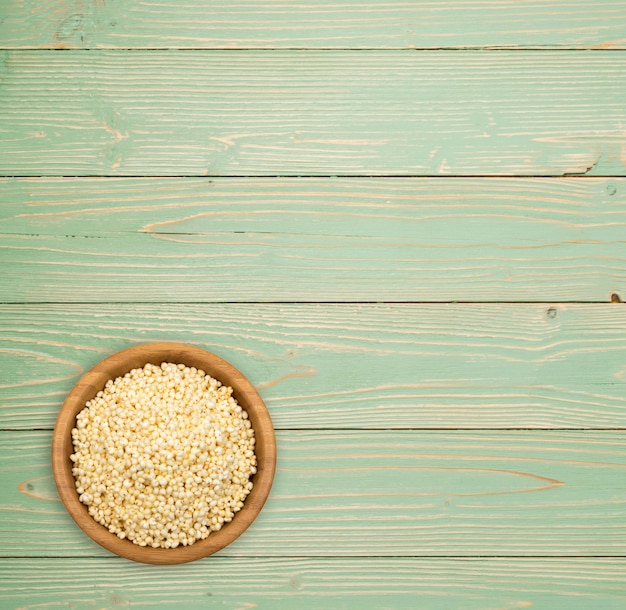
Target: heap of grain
[163,455]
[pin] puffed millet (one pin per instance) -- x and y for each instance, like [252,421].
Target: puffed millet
[163,455]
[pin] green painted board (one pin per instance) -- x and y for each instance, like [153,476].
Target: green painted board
[244,24]
[347,366]
[312,113]
[389,239]
[311,584]
[382,493]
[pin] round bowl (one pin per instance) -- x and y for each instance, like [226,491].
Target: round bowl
[119,364]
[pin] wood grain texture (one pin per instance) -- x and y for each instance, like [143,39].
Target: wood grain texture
[445,456]
[312,113]
[347,366]
[423,239]
[323,24]
[382,493]
[311,584]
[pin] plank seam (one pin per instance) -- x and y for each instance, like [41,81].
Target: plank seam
[380,429]
[326,558]
[293,177]
[564,176]
[612,301]
[405,49]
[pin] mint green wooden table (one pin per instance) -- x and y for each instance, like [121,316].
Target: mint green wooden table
[405,221]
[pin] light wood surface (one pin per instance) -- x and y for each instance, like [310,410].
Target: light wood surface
[425,239]
[402,220]
[378,493]
[290,24]
[246,113]
[117,365]
[429,366]
[341,583]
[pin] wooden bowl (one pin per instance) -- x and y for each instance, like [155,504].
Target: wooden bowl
[119,364]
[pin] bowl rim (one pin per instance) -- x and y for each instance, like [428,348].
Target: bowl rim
[122,362]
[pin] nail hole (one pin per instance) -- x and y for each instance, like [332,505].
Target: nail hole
[551,313]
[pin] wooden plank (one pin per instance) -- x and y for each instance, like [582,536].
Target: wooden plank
[340,584]
[382,493]
[245,24]
[194,239]
[347,366]
[312,113]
